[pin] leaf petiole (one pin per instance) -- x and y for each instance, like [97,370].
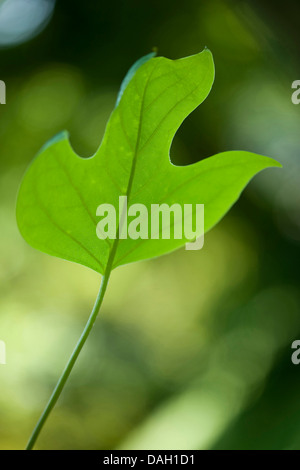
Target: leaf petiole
[67,370]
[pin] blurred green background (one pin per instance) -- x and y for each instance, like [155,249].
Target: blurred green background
[191,350]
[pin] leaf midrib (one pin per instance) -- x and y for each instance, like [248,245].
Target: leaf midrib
[109,265]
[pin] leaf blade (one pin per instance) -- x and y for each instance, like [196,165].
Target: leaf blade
[58,198]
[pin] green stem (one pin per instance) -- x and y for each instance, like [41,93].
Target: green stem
[64,376]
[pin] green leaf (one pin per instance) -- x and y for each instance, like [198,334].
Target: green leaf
[59,195]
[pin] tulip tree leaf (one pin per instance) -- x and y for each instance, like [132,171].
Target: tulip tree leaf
[60,192]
